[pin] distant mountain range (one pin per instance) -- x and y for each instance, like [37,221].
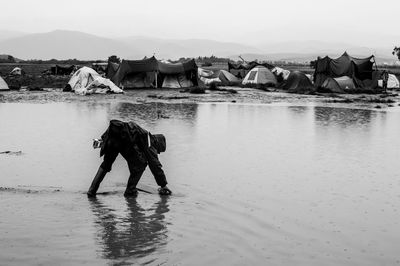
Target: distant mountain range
[63,44]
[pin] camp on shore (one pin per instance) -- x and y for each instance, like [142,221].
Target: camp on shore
[344,74]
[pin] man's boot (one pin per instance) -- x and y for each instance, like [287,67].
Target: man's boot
[96,182]
[133,180]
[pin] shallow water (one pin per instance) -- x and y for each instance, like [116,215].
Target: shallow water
[254,185]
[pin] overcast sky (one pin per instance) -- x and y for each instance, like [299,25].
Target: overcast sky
[250,21]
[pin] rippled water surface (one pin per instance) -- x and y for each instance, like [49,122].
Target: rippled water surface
[254,185]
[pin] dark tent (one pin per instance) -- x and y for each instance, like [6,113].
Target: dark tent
[240,70]
[153,73]
[177,75]
[338,85]
[111,69]
[137,73]
[359,69]
[298,82]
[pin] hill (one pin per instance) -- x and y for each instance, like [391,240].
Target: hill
[63,44]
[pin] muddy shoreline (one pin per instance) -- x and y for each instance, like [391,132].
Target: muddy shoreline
[226,95]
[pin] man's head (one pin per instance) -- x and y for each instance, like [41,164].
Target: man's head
[159,142]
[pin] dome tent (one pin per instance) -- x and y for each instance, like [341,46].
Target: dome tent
[3,85]
[392,83]
[260,75]
[338,85]
[298,82]
[87,81]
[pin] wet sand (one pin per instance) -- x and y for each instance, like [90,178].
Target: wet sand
[272,178]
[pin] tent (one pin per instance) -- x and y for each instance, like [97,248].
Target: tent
[3,85]
[111,69]
[240,70]
[87,81]
[393,82]
[137,73]
[298,82]
[359,69]
[153,73]
[220,77]
[281,72]
[338,85]
[260,75]
[17,71]
[177,75]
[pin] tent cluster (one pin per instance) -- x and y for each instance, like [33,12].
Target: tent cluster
[151,72]
[340,75]
[346,74]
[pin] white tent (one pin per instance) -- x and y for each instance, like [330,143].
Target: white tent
[205,73]
[17,71]
[393,82]
[220,77]
[3,85]
[259,75]
[87,81]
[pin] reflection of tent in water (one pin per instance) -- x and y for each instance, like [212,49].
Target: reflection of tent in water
[358,69]
[3,85]
[392,83]
[152,73]
[298,82]
[260,76]
[220,77]
[338,85]
[87,81]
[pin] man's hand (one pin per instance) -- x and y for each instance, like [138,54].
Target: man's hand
[97,143]
[164,191]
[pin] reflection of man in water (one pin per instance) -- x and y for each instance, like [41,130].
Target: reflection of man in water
[138,147]
[134,235]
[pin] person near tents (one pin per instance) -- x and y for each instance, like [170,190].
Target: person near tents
[385,78]
[138,147]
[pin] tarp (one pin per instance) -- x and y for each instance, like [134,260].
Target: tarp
[338,85]
[260,76]
[184,74]
[176,81]
[3,85]
[111,69]
[132,67]
[281,72]
[87,81]
[152,73]
[359,69]
[220,77]
[298,82]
